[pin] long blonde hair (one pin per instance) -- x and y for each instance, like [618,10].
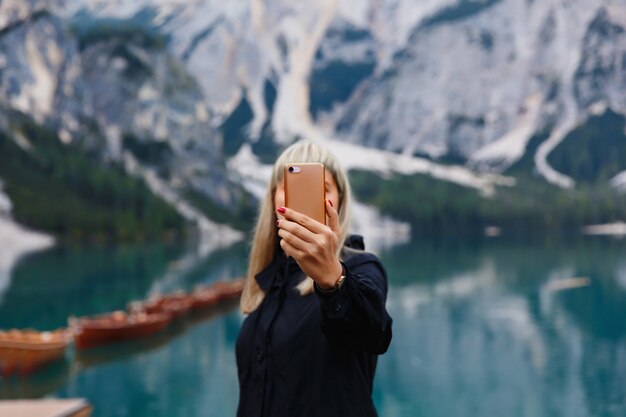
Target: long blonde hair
[265,234]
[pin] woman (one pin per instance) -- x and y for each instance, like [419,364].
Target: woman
[316,306]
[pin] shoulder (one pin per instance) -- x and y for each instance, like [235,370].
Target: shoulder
[364,270]
[359,260]
[355,258]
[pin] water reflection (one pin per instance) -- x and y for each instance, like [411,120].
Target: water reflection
[481,328]
[48,287]
[83,359]
[42,383]
[190,376]
[143,377]
[480,333]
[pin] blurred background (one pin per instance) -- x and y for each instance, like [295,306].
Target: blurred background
[485,142]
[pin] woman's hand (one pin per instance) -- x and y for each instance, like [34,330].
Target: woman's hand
[312,244]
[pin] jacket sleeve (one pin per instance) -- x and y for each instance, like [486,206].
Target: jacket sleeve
[355,315]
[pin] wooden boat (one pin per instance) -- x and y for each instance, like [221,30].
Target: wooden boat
[229,289]
[176,305]
[87,358]
[204,298]
[93,331]
[25,351]
[209,296]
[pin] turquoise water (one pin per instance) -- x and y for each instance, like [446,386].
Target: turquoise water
[481,328]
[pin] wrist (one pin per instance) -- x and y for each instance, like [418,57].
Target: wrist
[335,284]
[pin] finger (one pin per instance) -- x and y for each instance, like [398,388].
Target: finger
[333,218]
[296,229]
[290,250]
[293,240]
[302,219]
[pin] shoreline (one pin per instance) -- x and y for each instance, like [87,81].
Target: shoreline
[617,229]
[17,241]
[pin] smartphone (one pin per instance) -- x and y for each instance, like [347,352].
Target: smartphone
[305,189]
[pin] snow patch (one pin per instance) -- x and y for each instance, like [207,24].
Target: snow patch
[541,157]
[292,115]
[354,156]
[598,108]
[619,182]
[384,231]
[503,152]
[5,203]
[617,229]
[253,174]
[379,232]
[38,98]
[22,141]
[15,242]
[212,235]
[568,38]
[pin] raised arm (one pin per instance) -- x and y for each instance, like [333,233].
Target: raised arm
[353,314]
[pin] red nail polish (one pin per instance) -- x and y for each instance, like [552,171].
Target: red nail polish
[277,221]
[331,203]
[281,210]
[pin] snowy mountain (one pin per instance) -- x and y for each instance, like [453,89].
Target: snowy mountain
[469,79]
[463,91]
[114,89]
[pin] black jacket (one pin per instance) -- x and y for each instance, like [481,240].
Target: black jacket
[314,355]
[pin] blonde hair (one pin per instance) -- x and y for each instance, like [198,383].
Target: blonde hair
[264,242]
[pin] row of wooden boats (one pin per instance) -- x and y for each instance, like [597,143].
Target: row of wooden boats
[25,351]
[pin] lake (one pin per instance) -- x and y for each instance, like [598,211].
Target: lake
[492,327]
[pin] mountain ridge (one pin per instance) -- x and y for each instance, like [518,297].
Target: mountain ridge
[540,41]
[460,90]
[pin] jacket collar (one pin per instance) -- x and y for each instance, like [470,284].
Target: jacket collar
[266,276]
[280,268]
[355,242]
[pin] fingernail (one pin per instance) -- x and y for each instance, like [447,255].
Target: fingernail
[331,203]
[277,221]
[281,210]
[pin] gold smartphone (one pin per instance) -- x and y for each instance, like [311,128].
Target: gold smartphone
[305,189]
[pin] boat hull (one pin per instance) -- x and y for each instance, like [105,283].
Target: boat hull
[26,352]
[89,333]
